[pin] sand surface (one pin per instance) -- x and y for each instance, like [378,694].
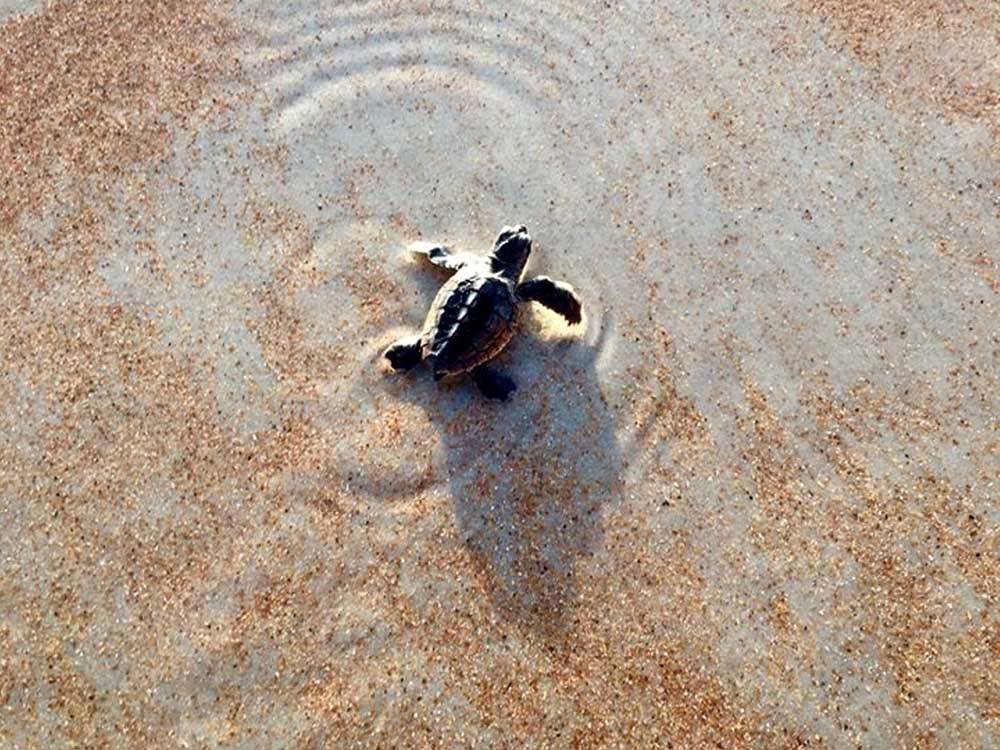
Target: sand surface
[752,502]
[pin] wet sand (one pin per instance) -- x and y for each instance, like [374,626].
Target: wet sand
[752,502]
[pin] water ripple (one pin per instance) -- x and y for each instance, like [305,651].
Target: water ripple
[312,62]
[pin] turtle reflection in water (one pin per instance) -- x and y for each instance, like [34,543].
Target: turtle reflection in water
[475,314]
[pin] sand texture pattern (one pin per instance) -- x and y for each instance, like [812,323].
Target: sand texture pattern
[751,502]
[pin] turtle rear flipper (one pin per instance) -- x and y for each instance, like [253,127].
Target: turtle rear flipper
[555,295]
[493,384]
[405,353]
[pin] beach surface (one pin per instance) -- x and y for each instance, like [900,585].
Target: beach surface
[751,502]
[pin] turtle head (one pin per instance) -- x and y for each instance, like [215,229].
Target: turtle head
[511,251]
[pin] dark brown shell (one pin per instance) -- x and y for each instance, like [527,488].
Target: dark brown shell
[471,320]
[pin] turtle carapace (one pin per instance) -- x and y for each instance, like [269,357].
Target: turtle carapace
[475,314]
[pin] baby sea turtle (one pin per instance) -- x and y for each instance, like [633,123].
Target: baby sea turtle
[476,312]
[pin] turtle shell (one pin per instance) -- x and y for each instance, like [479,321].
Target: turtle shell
[472,319]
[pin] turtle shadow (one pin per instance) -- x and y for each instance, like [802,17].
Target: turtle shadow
[529,478]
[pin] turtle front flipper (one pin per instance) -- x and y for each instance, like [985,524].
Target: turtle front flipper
[493,384]
[405,353]
[555,295]
[443,256]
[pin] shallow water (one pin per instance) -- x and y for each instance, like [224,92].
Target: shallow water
[750,502]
